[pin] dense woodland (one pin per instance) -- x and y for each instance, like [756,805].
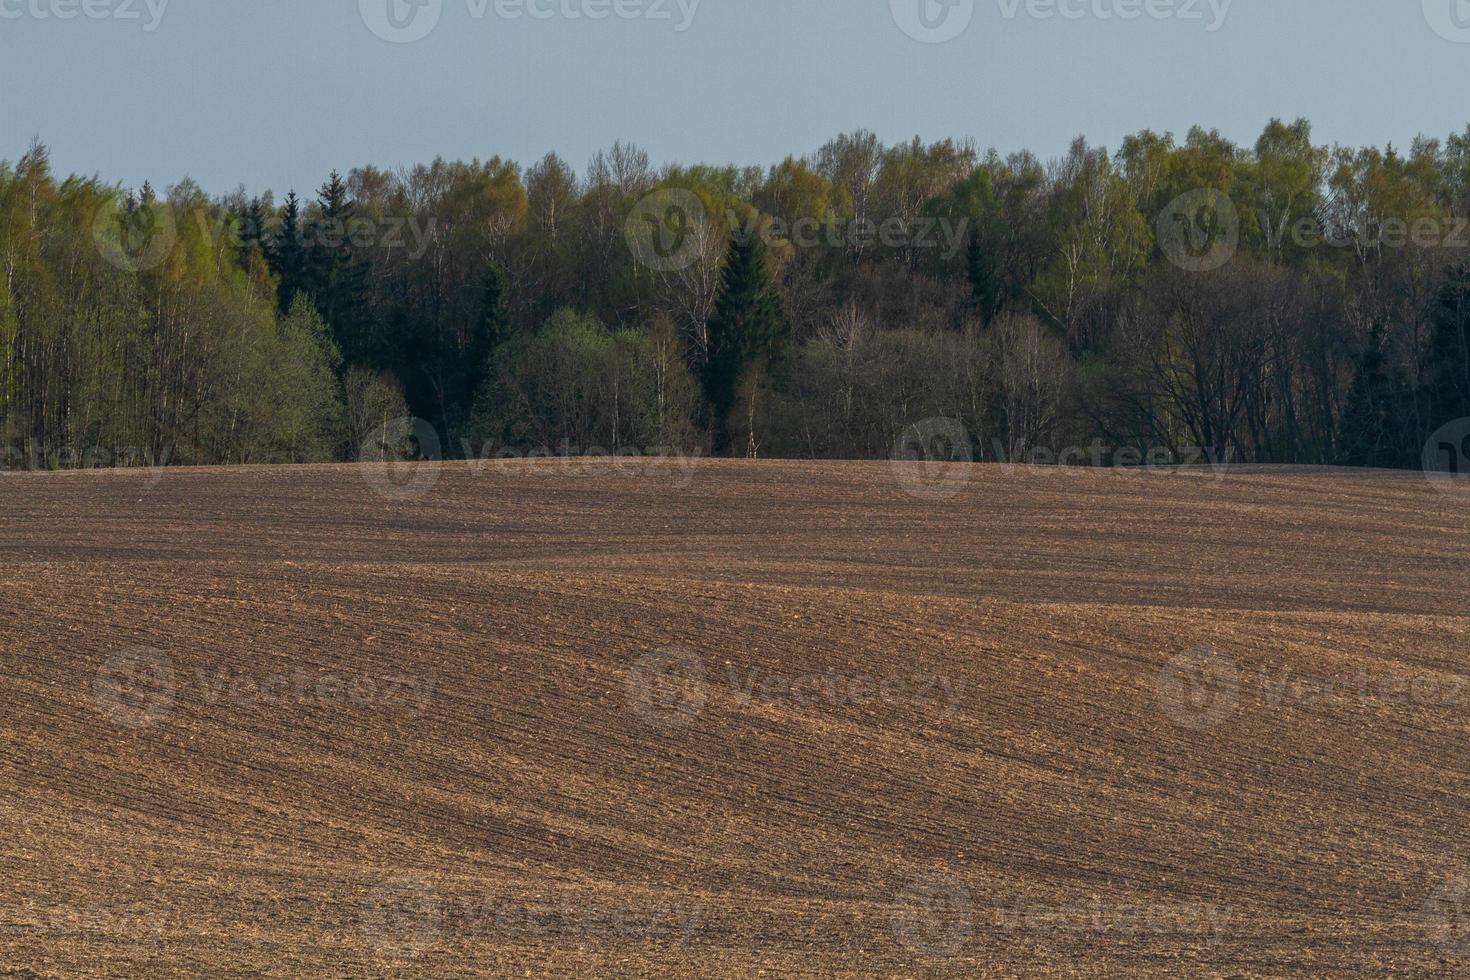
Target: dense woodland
[1038,303]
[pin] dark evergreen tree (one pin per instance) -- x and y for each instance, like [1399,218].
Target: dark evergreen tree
[465,370]
[251,231]
[339,278]
[493,328]
[746,325]
[1449,370]
[980,269]
[1375,429]
[288,256]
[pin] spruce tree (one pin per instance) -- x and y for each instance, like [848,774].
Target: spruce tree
[493,327]
[251,231]
[1449,370]
[288,258]
[339,276]
[1375,422]
[980,269]
[466,369]
[746,325]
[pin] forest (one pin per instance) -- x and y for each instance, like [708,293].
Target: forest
[1283,302]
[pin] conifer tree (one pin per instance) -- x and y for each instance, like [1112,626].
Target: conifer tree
[288,258]
[1449,371]
[980,268]
[339,276]
[746,325]
[1375,420]
[251,231]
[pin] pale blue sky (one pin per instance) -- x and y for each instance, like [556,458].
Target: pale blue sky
[275,93]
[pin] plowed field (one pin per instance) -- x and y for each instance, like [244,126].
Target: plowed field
[624,719]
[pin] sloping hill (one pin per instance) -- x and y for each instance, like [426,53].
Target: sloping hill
[811,718]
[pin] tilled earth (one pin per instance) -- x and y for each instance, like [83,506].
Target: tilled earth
[627,719]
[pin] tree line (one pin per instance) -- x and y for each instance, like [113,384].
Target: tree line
[1285,302]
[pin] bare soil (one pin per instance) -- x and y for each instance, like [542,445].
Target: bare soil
[820,719]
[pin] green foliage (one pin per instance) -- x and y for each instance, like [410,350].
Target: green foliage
[337,277]
[824,302]
[289,258]
[572,386]
[1375,422]
[747,323]
[1449,382]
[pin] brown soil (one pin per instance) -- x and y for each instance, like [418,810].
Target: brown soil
[780,717]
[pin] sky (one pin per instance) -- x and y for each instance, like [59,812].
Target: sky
[274,94]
